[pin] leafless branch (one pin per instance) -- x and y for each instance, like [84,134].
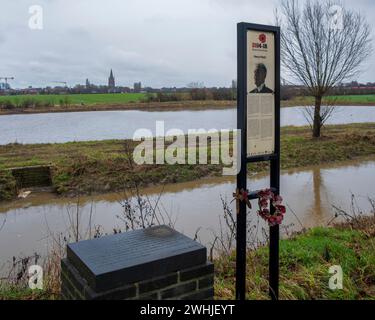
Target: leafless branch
[322,44]
[316,53]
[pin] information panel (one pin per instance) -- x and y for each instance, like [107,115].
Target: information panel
[260,93]
[258,120]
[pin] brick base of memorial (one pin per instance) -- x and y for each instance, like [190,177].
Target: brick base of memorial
[151,264]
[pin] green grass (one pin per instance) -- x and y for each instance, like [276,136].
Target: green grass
[360,99]
[74,102]
[17,293]
[77,99]
[305,260]
[339,100]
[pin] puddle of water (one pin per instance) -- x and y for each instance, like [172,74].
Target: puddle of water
[104,125]
[310,193]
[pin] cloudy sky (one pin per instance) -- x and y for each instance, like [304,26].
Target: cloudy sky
[158,42]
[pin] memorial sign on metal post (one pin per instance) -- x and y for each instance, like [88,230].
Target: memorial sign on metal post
[258,119]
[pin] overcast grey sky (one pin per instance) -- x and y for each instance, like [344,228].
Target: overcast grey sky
[158,42]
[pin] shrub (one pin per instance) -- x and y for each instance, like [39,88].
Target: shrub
[27,103]
[8,186]
[48,103]
[64,102]
[7,105]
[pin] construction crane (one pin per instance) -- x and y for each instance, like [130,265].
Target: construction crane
[6,79]
[6,86]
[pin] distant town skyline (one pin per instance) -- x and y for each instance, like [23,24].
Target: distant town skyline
[162,44]
[110,82]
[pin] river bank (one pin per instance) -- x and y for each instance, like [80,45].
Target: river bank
[309,192]
[305,259]
[360,100]
[103,166]
[140,106]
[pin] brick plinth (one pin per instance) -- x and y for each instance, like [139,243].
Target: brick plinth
[165,265]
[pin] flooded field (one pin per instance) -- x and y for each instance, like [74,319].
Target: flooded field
[32,224]
[104,125]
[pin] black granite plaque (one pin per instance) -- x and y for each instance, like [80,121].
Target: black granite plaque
[133,256]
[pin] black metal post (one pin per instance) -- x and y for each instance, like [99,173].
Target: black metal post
[275,181]
[274,159]
[242,176]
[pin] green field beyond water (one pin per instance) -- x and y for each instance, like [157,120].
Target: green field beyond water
[366,98]
[76,99]
[108,99]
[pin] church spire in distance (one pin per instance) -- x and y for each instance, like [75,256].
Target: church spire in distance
[111,80]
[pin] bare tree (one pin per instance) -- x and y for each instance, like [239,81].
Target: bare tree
[322,44]
[326,111]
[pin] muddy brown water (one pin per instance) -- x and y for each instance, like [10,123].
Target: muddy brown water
[28,224]
[104,125]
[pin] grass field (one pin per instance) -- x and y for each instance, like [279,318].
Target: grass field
[77,99]
[360,99]
[338,100]
[305,260]
[136,101]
